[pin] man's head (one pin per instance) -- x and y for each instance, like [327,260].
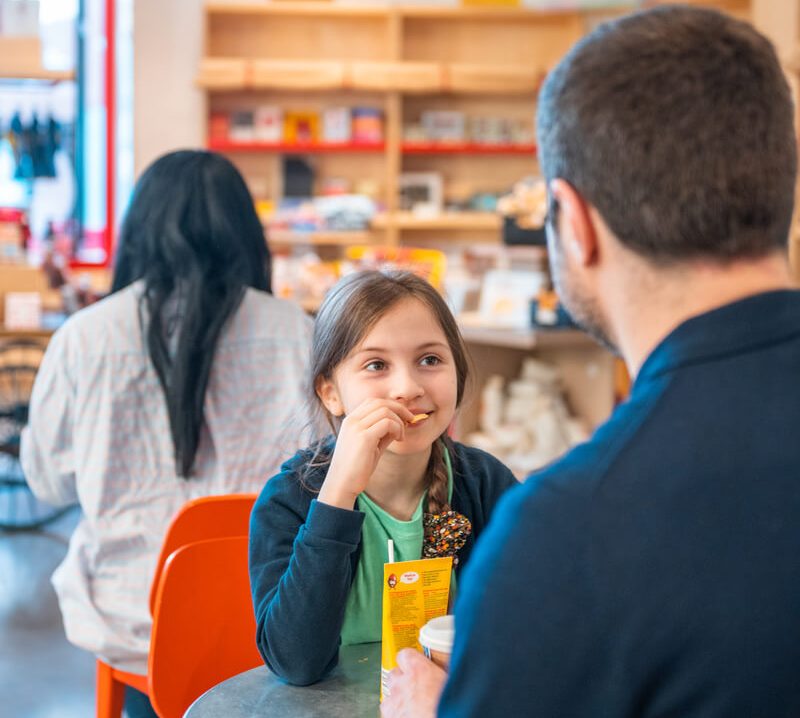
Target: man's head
[675,125]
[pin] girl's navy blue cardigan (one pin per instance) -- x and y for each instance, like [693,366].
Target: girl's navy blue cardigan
[303,557]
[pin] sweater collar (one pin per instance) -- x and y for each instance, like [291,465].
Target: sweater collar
[734,328]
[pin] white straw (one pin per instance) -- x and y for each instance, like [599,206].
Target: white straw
[391,550]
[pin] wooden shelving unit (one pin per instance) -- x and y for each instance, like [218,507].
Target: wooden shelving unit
[403,60]
[482,61]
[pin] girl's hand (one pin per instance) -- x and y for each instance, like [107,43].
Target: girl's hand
[363,437]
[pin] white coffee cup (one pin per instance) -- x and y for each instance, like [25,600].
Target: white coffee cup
[436,638]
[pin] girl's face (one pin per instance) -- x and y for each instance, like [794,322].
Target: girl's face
[405,357]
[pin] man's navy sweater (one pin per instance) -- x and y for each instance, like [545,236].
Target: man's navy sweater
[303,558]
[655,570]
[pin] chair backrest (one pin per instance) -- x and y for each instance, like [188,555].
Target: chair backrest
[208,517]
[204,630]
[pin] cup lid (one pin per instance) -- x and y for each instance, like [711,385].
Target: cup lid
[438,634]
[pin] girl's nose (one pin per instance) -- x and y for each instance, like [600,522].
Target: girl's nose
[406,386]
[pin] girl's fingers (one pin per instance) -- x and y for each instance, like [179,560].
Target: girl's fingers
[370,405]
[384,432]
[379,415]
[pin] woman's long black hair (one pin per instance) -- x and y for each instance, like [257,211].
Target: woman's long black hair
[192,233]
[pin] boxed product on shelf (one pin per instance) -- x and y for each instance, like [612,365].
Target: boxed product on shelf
[268,121]
[489,130]
[219,126]
[336,124]
[301,126]
[367,125]
[241,126]
[506,296]
[444,126]
[421,193]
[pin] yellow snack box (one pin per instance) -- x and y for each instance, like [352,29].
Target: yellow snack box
[413,593]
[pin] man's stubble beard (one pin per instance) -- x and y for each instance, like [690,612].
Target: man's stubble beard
[583,308]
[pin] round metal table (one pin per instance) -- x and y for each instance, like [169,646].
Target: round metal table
[351,691]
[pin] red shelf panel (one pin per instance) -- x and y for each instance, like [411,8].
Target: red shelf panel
[465,148]
[294,147]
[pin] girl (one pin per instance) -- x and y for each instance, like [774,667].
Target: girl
[388,368]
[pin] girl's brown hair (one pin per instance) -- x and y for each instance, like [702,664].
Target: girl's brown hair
[348,312]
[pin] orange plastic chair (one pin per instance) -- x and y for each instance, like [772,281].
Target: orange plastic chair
[204,629]
[209,517]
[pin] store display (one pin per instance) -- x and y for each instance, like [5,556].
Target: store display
[242,128]
[273,125]
[458,128]
[527,423]
[301,126]
[334,213]
[14,235]
[506,297]
[306,278]
[444,126]
[524,211]
[336,124]
[268,121]
[298,178]
[421,193]
[367,125]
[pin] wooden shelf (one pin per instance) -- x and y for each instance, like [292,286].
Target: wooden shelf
[465,148]
[267,74]
[223,73]
[230,73]
[295,147]
[508,14]
[492,79]
[38,74]
[21,59]
[309,8]
[447,221]
[411,77]
[284,237]
[524,339]
[298,8]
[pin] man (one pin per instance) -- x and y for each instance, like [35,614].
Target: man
[655,570]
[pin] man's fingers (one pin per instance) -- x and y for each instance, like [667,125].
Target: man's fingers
[409,658]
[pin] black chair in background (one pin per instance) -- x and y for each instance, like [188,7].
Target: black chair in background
[20,510]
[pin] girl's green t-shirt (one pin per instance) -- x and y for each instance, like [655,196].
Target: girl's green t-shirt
[362,618]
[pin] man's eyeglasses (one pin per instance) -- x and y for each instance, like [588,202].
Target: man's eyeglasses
[552,211]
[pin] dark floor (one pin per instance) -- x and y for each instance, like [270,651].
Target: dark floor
[41,675]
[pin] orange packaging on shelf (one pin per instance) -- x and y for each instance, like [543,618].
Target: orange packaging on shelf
[414,592]
[301,126]
[430,264]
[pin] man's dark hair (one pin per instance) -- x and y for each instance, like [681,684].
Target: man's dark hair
[677,125]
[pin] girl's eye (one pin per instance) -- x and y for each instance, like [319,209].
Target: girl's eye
[430,360]
[375,365]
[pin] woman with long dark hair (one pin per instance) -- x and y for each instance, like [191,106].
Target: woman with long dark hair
[186,381]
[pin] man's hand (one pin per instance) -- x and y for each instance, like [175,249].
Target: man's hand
[414,687]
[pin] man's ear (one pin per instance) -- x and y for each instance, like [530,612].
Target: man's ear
[575,223]
[329,396]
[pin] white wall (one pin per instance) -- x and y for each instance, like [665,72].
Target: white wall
[169,111]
